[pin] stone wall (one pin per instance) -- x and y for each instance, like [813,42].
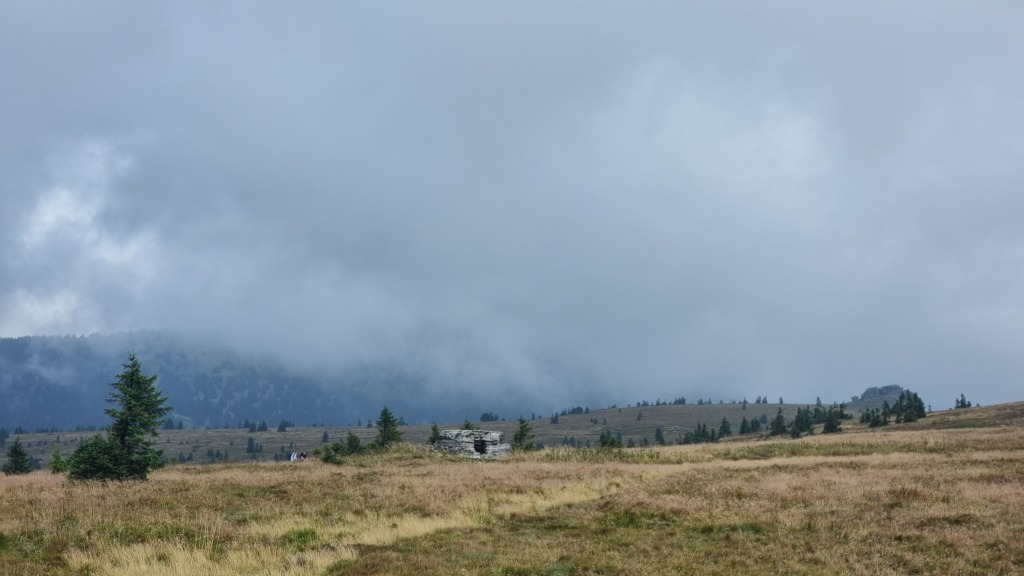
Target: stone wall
[477,444]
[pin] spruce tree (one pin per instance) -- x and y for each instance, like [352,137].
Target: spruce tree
[778,426]
[755,426]
[141,408]
[58,465]
[18,461]
[126,453]
[725,428]
[832,422]
[435,433]
[353,445]
[523,438]
[387,428]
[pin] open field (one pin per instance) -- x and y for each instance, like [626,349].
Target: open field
[942,496]
[674,420]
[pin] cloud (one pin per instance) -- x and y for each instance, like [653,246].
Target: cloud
[68,265]
[582,199]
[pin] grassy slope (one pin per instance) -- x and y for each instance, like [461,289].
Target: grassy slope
[942,496]
[673,420]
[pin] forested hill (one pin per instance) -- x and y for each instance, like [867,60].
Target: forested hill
[63,382]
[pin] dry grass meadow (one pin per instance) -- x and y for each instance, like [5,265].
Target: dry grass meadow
[944,496]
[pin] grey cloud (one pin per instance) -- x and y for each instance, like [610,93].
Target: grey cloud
[626,201]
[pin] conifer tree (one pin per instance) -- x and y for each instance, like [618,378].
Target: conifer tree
[523,438]
[962,402]
[58,465]
[435,433]
[353,445]
[141,407]
[18,461]
[832,422]
[725,428]
[127,452]
[778,426]
[755,426]
[387,428]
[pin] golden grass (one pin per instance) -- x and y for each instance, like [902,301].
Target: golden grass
[901,500]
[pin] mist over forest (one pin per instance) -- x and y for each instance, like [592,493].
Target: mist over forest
[62,382]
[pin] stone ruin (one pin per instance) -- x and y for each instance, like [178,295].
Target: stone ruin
[477,444]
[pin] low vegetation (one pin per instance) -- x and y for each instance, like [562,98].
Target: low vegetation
[937,496]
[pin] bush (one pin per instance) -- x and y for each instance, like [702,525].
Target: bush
[101,458]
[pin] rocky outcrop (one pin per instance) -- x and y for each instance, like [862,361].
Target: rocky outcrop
[875,392]
[477,444]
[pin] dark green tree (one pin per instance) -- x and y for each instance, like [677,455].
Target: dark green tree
[523,438]
[778,426]
[127,452]
[353,445]
[99,458]
[387,428]
[18,461]
[607,440]
[832,422]
[139,411]
[909,407]
[467,425]
[803,423]
[962,402]
[755,426]
[725,428]
[325,438]
[435,433]
[333,453]
[659,436]
[58,465]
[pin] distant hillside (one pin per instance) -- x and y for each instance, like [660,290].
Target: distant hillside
[63,382]
[231,444]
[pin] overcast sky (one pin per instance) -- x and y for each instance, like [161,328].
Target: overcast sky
[639,199]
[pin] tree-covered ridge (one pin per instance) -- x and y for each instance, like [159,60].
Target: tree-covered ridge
[60,382]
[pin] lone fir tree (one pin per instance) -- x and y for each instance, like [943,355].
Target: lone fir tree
[127,452]
[523,438]
[387,428]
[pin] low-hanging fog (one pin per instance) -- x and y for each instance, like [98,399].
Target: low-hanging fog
[602,199]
